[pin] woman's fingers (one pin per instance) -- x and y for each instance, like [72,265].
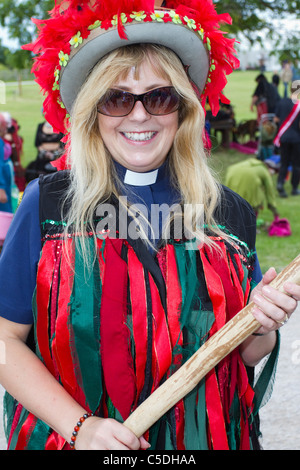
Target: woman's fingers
[274,308]
[108,434]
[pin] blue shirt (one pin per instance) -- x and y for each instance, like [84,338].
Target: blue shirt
[19,259]
[22,247]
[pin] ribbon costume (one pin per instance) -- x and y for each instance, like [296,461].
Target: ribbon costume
[111,345]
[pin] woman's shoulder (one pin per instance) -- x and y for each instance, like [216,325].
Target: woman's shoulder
[53,191]
[237,216]
[54,185]
[60,178]
[46,184]
[231,199]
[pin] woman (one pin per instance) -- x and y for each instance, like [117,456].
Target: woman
[122,299]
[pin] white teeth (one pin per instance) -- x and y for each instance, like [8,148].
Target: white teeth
[139,136]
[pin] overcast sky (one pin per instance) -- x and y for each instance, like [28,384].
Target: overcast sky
[5,39]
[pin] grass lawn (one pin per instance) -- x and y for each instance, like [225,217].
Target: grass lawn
[272,251]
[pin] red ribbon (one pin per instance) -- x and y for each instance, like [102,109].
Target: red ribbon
[215,291]
[44,280]
[222,279]
[162,351]
[215,412]
[55,442]
[14,423]
[115,338]
[138,300]
[63,337]
[174,299]
[25,432]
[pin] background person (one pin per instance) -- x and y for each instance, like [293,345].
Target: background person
[287,116]
[6,170]
[49,147]
[286,76]
[252,179]
[13,138]
[265,97]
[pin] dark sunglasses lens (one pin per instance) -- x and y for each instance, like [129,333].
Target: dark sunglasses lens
[115,103]
[162,101]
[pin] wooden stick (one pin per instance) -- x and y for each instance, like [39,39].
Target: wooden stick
[206,358]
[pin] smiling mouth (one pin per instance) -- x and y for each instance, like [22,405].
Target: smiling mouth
[139,136]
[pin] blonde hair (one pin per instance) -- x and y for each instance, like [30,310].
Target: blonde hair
[92,172]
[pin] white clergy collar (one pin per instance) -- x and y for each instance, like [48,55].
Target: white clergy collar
[134,178]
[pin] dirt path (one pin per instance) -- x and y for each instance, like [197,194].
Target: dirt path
[280,417]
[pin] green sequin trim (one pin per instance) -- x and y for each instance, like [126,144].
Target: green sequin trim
[53,222]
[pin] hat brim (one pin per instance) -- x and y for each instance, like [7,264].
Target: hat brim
[184,42]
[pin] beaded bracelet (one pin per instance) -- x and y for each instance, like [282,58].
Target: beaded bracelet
[77,428]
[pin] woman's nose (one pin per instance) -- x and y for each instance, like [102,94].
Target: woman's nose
[139,112]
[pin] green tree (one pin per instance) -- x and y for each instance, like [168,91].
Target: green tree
[3,52]
[289,51]
[254,19]
[18,60]
[17,18]
[250,18]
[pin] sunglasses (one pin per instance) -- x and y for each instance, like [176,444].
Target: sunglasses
[158,102]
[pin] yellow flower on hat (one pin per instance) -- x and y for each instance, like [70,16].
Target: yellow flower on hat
[63,58]
[61,104]
[95,25]
[157,16]
[123,19]
[55,86]
[138,15]
[76,40]
[56,81]
[190,22]
[175,17]
[201,33]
